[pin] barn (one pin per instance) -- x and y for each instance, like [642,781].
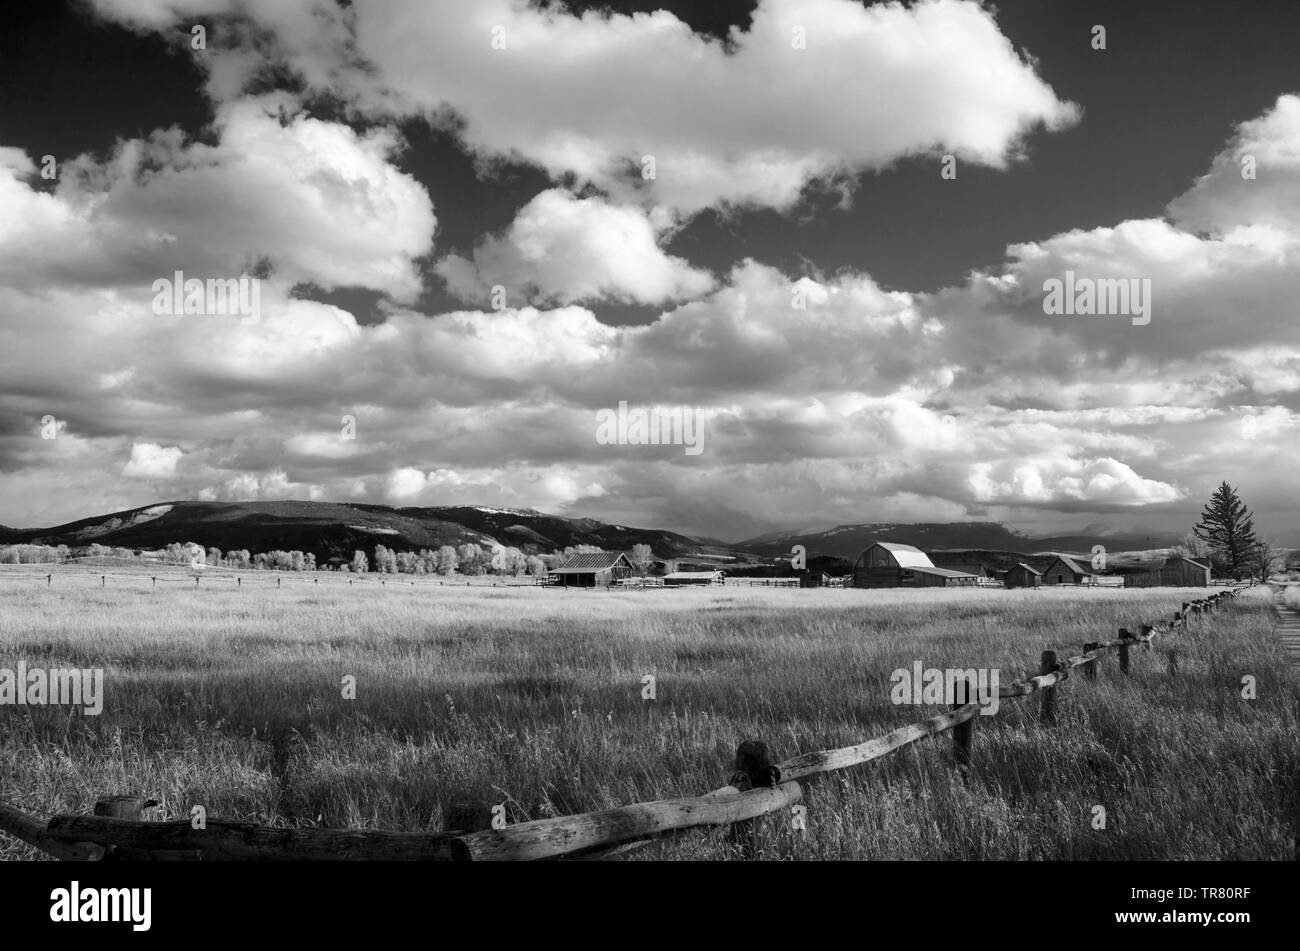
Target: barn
[1175,572]
[893,565]
[1021,575]
[591,570]
[1065,570]
[679,579]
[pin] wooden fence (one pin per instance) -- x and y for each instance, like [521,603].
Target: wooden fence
[757,787]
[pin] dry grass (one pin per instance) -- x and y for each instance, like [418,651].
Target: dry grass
[232,699]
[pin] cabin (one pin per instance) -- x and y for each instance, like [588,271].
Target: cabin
[1174,572]
[1065,570]
[1021,575]
[894,565]
[591,570]
[678,579]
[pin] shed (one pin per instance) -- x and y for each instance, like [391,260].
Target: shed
[591,569]
[1021,575]
[1065,570]
[894,565]
[1175,572]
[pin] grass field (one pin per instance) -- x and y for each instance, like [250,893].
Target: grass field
[232,699]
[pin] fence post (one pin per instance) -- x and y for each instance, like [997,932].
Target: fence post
[122,807]
[1123,650]
[1048,665]
[103,580]
[1091,669]
[465,817]
[754,770]
[1173,662]
[963,734]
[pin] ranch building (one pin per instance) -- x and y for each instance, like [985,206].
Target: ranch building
[1175,572]
[892,565]
[1065,570]
[591,570]
[1021,575]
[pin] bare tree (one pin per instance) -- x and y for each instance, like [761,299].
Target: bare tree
[642,557]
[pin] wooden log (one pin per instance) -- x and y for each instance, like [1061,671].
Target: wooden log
[243,840]
[825,761]
[1048,665]
[546,838]
[34,832]
[1123,650]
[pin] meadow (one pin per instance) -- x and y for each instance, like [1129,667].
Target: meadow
[233,698]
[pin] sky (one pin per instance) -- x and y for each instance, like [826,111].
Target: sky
[823,230]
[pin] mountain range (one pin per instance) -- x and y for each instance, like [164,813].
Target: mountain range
[336,529]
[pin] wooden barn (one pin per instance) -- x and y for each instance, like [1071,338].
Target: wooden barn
[679,579]
[591,570]
[1021,575]
[892,565]
[1175,572]
[1065,570]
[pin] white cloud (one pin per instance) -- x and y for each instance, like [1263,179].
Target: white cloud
[592,95]
[561,248]
[151,461]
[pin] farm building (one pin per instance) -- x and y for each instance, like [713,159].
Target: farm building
[591,570]
[1065,570]
[1176,572]
[1020,575]
[678,579]
[891,565]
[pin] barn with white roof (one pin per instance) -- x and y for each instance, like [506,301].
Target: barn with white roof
[894,565]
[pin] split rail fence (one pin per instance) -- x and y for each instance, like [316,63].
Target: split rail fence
[757,787]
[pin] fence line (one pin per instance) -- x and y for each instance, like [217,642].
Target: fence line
[757,788]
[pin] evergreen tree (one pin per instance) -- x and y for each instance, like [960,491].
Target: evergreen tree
[1228,528]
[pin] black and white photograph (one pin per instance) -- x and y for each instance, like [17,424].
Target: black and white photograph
[805,436]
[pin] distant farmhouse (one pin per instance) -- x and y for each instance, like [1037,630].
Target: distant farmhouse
[677,579]
[1022,575]
[591,570]
[1065,570]
[1173,572]
[892,565]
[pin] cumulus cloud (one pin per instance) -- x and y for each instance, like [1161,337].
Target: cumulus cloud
[564,249]
[151,461]
[315,200]
[752,121]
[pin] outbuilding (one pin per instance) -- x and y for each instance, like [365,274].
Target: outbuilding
[895,565]
[1065,570]
[591,570]
[1021,575]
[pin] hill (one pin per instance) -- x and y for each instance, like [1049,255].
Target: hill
[331,529]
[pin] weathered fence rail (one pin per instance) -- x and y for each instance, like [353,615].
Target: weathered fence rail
[757,788]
